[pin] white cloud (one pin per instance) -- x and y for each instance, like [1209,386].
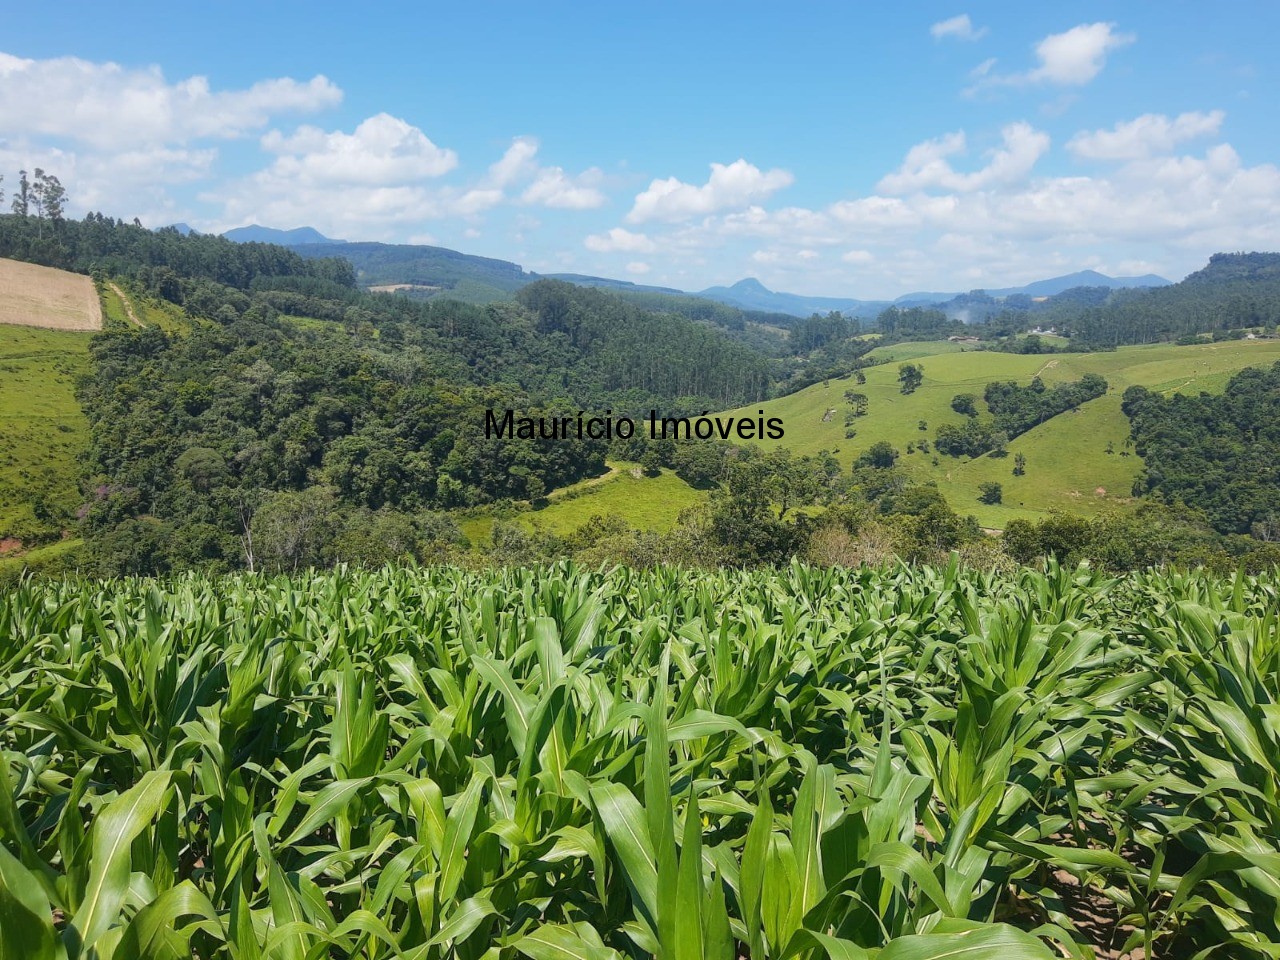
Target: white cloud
[982,69]
[516,163]
[961,231]
[926,166]
[353,184]
[382,150]
[543,186]
[554,188]
[638,267]
[1151,133]
[476,201]
[1077,56]
[113,107]
[621,240]
[959,28]
[734,185]
[1071,58]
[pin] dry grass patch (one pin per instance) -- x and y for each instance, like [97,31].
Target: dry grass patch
[35,296]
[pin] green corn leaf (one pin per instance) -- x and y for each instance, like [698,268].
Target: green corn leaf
[114,830]
[26,923]
[623,821]
[556,941]
[965,940]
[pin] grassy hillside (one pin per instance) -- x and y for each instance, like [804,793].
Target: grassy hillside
[43,434]
[648,503]
[1068,467]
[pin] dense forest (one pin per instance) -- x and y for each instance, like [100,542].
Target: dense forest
[362,416]
[1220,453]
[1015,409]
[1234,291]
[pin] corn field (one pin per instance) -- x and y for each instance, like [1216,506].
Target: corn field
[561,764]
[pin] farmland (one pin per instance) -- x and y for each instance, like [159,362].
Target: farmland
[37,296]
[1068,466]
[898,763]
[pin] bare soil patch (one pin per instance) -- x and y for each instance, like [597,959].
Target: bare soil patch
[35,296]
[396,287]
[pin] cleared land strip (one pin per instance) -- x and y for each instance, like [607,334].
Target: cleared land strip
[124,302]
[35,296]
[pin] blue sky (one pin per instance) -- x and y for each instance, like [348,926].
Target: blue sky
[844,149]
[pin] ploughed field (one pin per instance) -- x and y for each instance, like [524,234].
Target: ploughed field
[898,763]
[36,296]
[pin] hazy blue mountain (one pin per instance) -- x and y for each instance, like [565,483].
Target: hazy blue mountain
[1083,278]
[286,238]
[424,272]
[182,228]
[751,294]
[1047,288]
[583,280]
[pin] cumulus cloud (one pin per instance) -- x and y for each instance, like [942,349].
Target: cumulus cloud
[1072,58]
[516,162]
[554,188]
[1004,224]
[542,186]
[352,183]
[1151,133]
[638,267]
[384,174]
[926,166]
[381,150]
[957,28]
[109,106]
[1077,56]
[619,239]
[733,185]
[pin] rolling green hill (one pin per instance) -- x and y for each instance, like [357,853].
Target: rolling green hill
[1068,467]
[647,503]
[43,434]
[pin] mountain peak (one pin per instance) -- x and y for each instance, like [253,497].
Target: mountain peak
[254,233]
[750,285]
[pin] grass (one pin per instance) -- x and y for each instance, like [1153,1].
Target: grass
[647,503]
[49,559]
[43,434]
[123,304]
[1067,462]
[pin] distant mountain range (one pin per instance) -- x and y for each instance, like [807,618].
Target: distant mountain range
[751,294]
[285,238]
[1046,288]
[433,271]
